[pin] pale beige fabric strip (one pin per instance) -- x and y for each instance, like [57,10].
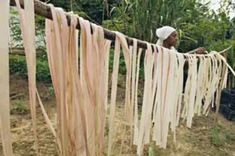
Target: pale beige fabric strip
[4,79]
[180,86]
[27,23]
[48,121]
[145,118]
[169,108]
[157,112]
[191,102]
[94,70]
[200,85]
[136,110]
[57,66]
[133,88]
[29,43]
[113,95]
[101,55]
[150,62]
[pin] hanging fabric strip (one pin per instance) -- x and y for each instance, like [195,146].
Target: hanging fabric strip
[133,87]
[136,110]
[156,111]
[113,95]
[169,104]
[4,79]
[48,121]
[192,91]
[180,86]
[177,76]
[101,52]
[27,23]
[145,118]
[200,85]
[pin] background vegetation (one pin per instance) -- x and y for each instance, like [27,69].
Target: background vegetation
[196,23]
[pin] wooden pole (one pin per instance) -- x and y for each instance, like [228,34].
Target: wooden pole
[44,10]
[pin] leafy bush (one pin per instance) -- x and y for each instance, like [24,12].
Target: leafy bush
[43,73]
[18,66]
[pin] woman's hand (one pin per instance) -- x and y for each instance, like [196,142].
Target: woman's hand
[200,50]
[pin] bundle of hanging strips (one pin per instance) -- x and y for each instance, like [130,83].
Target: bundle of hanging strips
[80,77]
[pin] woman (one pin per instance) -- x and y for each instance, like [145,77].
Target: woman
[167,37]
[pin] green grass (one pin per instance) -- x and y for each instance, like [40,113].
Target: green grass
[219,136]
[19,107]
[215,136]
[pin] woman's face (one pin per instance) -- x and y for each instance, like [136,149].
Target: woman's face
[172,39]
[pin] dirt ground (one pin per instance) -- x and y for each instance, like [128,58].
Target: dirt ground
[207,137]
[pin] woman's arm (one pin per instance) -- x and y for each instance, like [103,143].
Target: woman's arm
[199,50]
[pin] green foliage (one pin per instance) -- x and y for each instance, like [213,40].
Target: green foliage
[197,25]
[95,14]
[94,10]
[215,136]
[116,24]
[15,32]
[206,33]
[219,136]
[43,73]
[18,67]
[122,66]
[143,17]
[51,91]
[19,107]
[151,151]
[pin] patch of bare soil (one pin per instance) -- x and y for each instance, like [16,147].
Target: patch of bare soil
[205,138]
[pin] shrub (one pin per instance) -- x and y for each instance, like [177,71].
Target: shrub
[18,66]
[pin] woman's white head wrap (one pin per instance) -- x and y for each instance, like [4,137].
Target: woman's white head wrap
[163,33]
